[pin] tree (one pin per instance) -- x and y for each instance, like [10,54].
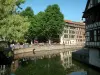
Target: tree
[8,6]
[28,12]
[40,26]
[19,2]
[9,21]
[48,24]
[36,27]
[6,9]
[54,21]
[14,28]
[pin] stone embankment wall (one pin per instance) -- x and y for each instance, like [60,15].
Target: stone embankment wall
[44,48]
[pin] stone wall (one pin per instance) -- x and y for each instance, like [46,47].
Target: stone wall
[44,48]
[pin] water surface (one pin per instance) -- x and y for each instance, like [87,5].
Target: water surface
[60,64]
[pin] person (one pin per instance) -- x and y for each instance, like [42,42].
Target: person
[33,51]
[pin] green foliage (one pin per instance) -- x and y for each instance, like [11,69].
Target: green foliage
[47,24]
[28,12]
[19,2]
[14,28]
[6,8]
[54,21]
[38,26]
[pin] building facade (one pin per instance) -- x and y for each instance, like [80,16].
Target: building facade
[73,33]
[92,20]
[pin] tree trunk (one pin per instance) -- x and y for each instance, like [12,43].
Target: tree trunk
[49,42]
[31,42]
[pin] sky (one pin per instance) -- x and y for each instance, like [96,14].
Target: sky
[72,9]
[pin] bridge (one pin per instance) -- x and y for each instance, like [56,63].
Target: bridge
[41,51]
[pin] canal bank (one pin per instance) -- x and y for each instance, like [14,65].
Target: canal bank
[46,48]
[42,53]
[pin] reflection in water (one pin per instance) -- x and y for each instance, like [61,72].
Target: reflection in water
[66,58]
[51,66]
[60,64]
[4,70]
[73,67]
[69,66]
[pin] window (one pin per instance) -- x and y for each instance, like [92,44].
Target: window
[73,32]
[92,26]
[65,31]
[69,31]
[66,26]
[80,36]
[72,36]
[95,37]
[98,38]
[72,27]
[65,36]
[86,27]
[69,36]
[98,35]
[91,35]
[87,36]
[98,32]
[99,53]
[80,32]
[80,40]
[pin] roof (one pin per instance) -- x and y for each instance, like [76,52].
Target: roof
[86,8]
[72,22]
[88,1]
[91,9]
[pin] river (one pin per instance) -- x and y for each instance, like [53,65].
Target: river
[58,64]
